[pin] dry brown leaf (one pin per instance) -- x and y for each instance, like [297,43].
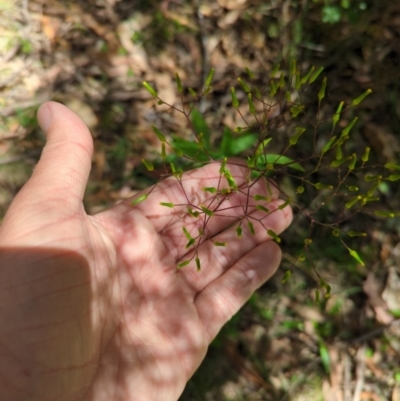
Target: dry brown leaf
[232,4]
[50,27]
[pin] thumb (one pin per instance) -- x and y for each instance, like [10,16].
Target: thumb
[64,166]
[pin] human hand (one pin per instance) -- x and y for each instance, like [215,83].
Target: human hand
[93,308]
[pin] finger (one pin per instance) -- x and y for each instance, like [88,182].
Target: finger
[189,193]
[216,260]
[63,169]
[223,297]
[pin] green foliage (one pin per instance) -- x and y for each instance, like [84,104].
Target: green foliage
[329,169]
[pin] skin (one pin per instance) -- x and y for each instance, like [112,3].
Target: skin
[93,308]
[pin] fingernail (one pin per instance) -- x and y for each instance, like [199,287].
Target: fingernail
[45,117]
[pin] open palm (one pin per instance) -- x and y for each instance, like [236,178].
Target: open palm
[95,308]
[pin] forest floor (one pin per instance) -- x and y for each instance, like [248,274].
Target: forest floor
[93,56]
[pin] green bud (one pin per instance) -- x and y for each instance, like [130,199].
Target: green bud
[150,89]
[359,99]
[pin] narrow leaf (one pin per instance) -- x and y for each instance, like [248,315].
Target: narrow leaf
[239,231]
[217,243]
[391,166]
[252,108]
[198,267]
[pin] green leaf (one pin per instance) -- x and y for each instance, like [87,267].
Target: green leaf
[315,75]
[296,110]
[286,276]
[355,255]
[167,204]
[150,89]
[178,83]
[293,67]
[262,160]
[138,200]
[239,231]
[274,70]
[325,358]
[200,126]
[321,93]
[148,165]
[298,132]
[359,99]
[209,79]
[198,267]
[232,145]
[163,153]
[160,136]
[217,243]
[190,149]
